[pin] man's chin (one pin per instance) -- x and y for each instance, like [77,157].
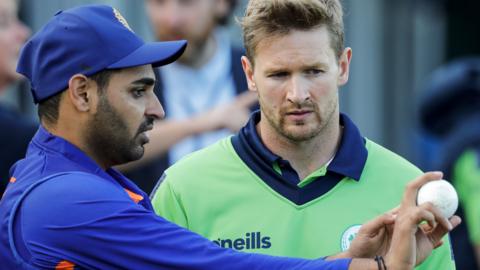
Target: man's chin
[139,152]
[299,134]
[135,154]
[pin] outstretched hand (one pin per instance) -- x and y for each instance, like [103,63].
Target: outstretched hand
[418,229]
[422,226]
[406,235]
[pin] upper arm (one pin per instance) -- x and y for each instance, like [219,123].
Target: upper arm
[93,224]
[90,222]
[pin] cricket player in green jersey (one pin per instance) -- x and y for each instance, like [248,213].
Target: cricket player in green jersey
[299,179]
[466,175]
[449,115]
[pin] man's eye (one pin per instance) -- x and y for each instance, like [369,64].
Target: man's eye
[278,75]
[314,71]
[136,93]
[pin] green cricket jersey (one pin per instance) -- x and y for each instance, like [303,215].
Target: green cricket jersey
[240,195]
[466,176]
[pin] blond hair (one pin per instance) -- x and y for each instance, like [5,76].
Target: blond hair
[267,18]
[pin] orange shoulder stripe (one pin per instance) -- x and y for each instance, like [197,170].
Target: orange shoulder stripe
[13,179]
[65,265]
[134,196]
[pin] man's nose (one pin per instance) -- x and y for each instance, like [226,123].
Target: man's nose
[298,90]
[155,108]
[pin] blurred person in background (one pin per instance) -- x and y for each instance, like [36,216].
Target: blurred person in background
[15,130]
[450,113]
[204,93]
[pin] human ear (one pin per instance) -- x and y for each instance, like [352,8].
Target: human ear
[344,66]
[248,69]
[80,92]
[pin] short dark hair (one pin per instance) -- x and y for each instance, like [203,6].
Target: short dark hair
[267,18]
[48,108]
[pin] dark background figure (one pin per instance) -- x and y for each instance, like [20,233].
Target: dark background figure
[202,93]
[450,113]
[15,130]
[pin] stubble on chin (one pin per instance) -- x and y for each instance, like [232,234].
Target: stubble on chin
[298,131]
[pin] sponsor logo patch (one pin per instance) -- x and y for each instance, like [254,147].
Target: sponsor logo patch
[348,235]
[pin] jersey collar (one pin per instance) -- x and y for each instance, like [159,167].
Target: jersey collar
[46,141]
[349,162]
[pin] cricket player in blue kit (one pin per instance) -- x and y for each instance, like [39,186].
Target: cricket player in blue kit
[67,208]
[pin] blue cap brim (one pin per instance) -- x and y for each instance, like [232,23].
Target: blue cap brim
[154,53]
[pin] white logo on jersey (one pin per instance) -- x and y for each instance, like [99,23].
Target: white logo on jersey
[348,236]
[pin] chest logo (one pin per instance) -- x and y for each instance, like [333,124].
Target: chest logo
[348,236]
[251,240]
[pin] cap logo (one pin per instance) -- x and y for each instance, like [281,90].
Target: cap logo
[121,19]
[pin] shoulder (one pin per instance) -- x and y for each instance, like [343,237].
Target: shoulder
[71,198]
[200,166]
[383,163]
[214,155]
[74,182]
[380,155]
[65,190]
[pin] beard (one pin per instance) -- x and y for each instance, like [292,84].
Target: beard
[109,138]
[300,131]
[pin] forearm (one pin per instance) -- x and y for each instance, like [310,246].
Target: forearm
[167,133]
[341,255]
[139,240]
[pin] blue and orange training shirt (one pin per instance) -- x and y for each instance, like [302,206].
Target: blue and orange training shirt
[62,211]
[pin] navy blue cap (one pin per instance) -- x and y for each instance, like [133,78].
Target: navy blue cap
[452,94]
[86,40]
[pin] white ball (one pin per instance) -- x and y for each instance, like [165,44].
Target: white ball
[441,194]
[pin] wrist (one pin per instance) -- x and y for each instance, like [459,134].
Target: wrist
[381,264]
[341,255]
[365,264]
[393,264]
